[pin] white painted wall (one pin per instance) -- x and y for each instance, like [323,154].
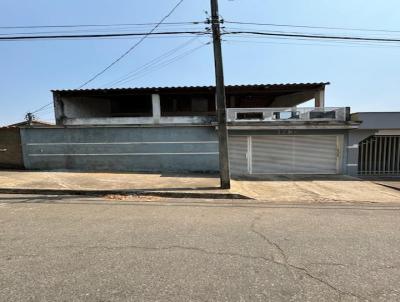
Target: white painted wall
[138,120]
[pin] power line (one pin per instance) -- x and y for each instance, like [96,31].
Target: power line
[313,27]
[42,108]
[313,36]
[309,42]
[150,66]
[144,71]
[161,64]
[153,61]
[97,25]
[94,30]
[133,47]
[300,32]
[131,38]
[45,113]
[144,35]
[196,23]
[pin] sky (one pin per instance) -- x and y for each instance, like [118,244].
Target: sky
[364,77]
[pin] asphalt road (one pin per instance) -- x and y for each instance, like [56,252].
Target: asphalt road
[70,249]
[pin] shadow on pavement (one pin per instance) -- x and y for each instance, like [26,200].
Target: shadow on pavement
[297,177]
[227,203]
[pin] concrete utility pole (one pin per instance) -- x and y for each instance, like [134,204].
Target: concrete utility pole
[29,117]
[221,100]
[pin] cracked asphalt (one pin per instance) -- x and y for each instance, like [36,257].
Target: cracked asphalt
[65,248]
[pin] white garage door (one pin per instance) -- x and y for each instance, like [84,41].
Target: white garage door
[300,154]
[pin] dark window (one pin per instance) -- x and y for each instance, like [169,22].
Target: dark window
[248,101]
[187,105]
[320,114]
[249,116]
[132,106]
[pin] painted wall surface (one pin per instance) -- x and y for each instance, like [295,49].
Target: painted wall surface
[166,149]
[86,107]
[87,111]
[354,138]
[10,149]
[110,121]
[378,120]
[388,132]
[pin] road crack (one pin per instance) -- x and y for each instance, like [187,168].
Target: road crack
[286,264]
[303,270]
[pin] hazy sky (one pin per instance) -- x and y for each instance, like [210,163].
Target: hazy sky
[366,78]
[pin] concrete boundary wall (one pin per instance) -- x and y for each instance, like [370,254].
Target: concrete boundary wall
[140,149]
[149,149]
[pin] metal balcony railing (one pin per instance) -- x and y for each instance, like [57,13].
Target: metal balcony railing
[287,114]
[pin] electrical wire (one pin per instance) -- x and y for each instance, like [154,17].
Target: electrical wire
[313,36]
[98,25]
[154,61]
[95,30]
[309,43]
[131,38]
[342,42]
[142,72]
[151,32]
[164,64]
[41,115]
[42,108]
[311,32]
[313,27]
[143,35]
[133,47]
[158,62]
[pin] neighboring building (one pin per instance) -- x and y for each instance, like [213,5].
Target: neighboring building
[10,144]
[30,123]
[174,129]
[10,148]
[374,149]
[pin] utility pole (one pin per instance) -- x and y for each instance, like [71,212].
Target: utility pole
[221,99]
[29,117]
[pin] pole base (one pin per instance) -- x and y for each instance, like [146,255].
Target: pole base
[225,185]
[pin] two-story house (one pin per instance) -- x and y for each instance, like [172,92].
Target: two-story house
[174,129]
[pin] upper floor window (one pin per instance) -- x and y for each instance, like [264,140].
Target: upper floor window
[187,105]
[132,106]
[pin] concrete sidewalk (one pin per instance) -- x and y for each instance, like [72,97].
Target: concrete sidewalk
[166,185]
[394,184]
[287,189]
[315,188]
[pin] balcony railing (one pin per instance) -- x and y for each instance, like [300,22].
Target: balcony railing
[287,114]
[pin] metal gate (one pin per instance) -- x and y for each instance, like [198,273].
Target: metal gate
[285,154]
[379,155]
[238,155]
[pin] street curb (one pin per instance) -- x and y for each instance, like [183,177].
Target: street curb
[125,193]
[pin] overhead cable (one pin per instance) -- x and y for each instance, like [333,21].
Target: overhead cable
[133,46]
